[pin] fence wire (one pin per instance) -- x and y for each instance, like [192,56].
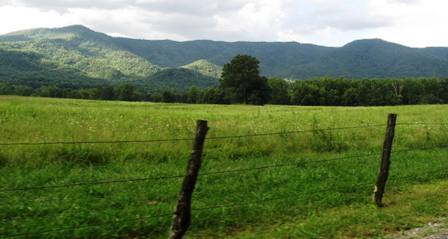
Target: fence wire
[297,163]
[182,139]
[240,170]
[90,183]
[212,137]
[205,208]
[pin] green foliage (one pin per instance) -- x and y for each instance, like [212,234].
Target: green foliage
[279,91]
[367,92]
[182,79]
[241,76]
[126,92]
[168,97]
[339,92]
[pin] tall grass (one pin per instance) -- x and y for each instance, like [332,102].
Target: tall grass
[236,201]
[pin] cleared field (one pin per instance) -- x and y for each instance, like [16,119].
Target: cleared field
[310,198]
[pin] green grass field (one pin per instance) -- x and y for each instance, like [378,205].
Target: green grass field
[310,198]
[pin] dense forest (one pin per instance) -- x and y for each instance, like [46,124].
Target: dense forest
[324,91]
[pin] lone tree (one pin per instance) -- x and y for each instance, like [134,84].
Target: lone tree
[242,77]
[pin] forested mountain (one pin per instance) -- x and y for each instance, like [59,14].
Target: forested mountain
[78,56]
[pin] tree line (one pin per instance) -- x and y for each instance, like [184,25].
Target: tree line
[241,83]
[325,91]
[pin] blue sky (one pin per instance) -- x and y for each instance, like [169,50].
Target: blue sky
[416,23]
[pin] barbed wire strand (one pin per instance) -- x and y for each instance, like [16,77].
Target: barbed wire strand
[77,184]
[423,123]
[294,164]
[297,131]
[88,183]
[209,138]
[182,139]
[433,147]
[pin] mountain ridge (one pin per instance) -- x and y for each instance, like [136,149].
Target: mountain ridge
[79,27]
[98,56]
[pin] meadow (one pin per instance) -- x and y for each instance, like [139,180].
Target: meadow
[323,189]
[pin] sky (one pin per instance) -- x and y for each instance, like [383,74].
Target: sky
[415,23]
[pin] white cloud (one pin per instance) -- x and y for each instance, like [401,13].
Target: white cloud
[15,18]
[5,2]
[417,23]
[327,22]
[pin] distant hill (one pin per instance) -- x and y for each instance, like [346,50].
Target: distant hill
[76,55]
[205,67]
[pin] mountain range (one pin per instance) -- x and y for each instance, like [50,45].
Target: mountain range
[78,56]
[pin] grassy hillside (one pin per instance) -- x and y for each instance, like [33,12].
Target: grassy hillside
[205,67]
[309,198]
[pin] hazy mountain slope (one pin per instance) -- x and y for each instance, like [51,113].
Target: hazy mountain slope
[363,58]
[378,58]
[276,58]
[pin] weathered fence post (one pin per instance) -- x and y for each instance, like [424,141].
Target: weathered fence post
[385,160]
[182,215]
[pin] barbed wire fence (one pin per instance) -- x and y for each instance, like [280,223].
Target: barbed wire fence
[181,218]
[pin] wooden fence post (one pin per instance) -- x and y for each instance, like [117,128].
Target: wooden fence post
[385,160]
[182,215]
